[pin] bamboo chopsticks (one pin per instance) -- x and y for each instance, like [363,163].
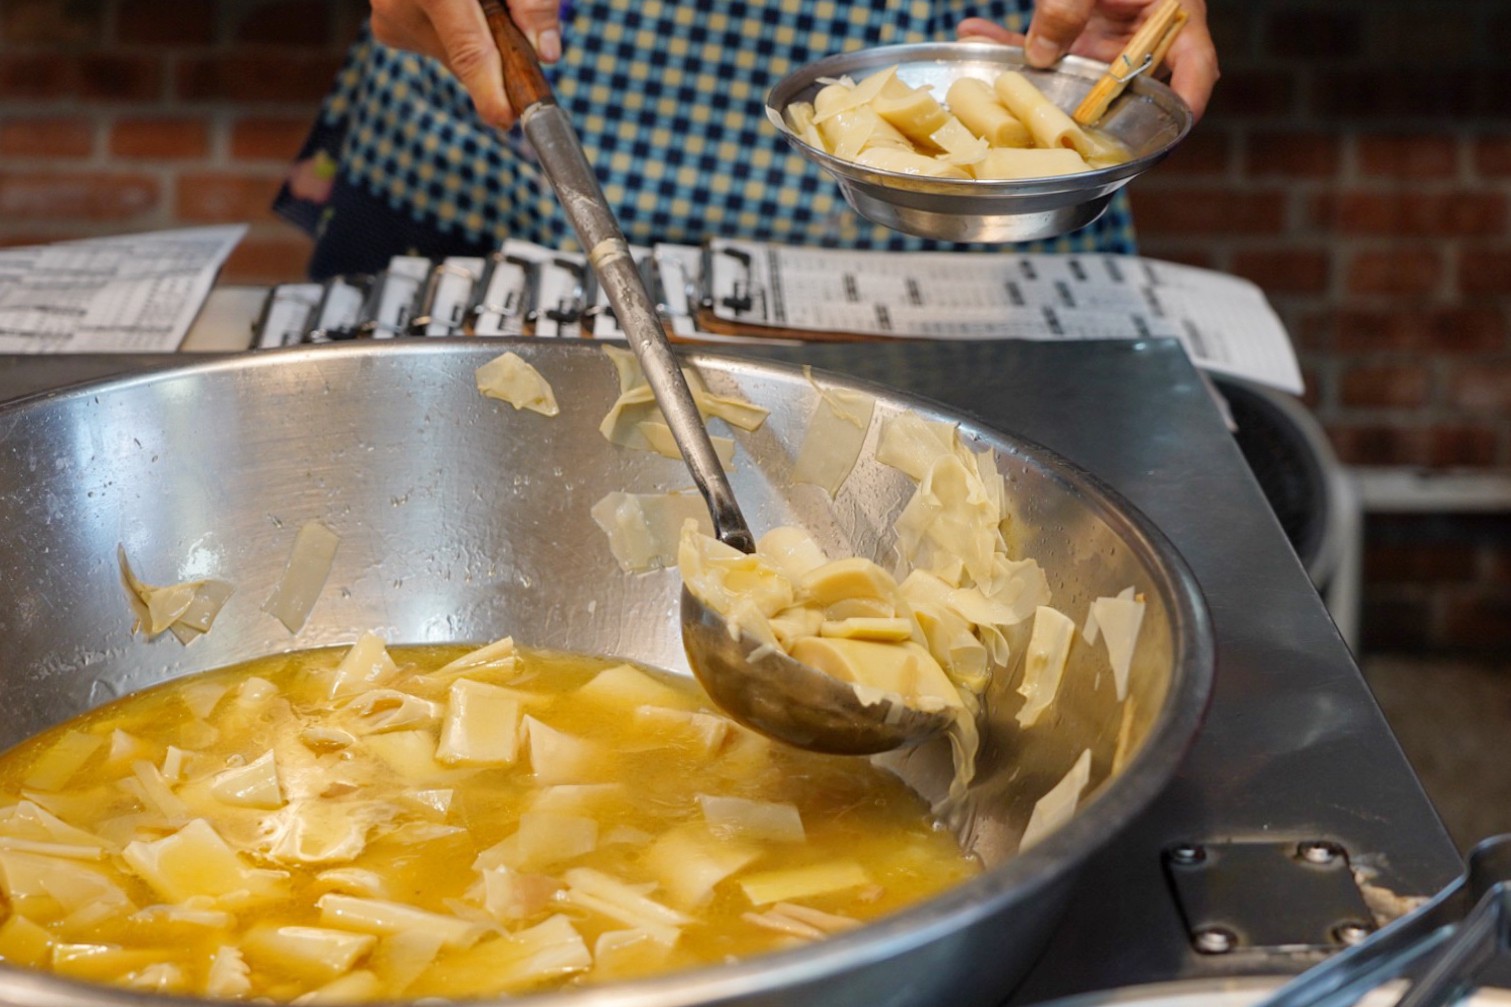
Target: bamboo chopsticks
[1144,53]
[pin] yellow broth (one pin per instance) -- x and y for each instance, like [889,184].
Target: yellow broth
[362,865]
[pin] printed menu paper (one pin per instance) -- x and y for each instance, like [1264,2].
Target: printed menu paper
[133,293]
[1224,322]
[754,292]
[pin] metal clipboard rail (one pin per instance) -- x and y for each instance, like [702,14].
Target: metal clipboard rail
[732,302]
[526,289]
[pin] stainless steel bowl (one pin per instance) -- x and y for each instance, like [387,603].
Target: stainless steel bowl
[461,520]
[1149,118]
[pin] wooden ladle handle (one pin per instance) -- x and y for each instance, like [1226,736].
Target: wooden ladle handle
[524,81]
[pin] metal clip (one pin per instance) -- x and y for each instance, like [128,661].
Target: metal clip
[304,300]
[424,319]
[650,275]
[338,314]
[1133,71]
[389,305]
[568,311]
[506,316]
[742,297]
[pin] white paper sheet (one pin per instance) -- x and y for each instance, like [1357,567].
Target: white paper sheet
[1224,322]
[132,293]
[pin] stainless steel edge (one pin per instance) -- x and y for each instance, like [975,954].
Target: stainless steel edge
[397,449]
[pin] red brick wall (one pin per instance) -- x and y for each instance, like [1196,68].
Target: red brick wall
[1356,163]
[126,115]
[1438,583]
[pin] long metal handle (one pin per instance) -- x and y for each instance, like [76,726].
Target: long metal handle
[550,132]
[1473,946]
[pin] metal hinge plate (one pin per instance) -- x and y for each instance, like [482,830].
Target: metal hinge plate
[1267,896]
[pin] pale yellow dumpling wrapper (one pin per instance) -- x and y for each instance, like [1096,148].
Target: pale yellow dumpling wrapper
[1049,124]
[975,104]
[841,97]
[908,162]
[913,110]
[512,380]
[1032,162]
[978,132]
[856,130]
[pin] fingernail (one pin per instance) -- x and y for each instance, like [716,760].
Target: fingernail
[1040,51]
[549,45]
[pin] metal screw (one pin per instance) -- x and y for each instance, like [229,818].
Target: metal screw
[1351,932]
[1214,940]
[1319,851]
[1187,854]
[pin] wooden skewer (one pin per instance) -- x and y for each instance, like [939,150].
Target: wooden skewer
[1143,54]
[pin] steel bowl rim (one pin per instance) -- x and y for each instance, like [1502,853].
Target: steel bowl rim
[1064,850]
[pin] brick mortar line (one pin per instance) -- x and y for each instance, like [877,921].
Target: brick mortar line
[1429,413]
[177,107]
[220,141]
[1479,126]
[175,50]
[1317,185]
[115,164]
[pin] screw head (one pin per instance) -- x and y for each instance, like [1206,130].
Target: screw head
[1214,940]
[1187,854]
[1319,851]
[1351,932]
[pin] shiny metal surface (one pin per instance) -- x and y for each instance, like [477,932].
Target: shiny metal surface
[461,519]
[555,142]
[789,701]
[1149,118]
[772,693]
[1294,746]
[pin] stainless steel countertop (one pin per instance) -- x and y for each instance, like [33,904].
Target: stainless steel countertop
[1294,746]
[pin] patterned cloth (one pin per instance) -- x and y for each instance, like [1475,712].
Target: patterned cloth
[668,99]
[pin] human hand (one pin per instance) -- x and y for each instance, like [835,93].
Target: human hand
[456,33]
[1099,29]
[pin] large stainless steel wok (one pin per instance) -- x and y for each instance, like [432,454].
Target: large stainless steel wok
[462,520]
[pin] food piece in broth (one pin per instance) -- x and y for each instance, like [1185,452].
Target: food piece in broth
[306,851]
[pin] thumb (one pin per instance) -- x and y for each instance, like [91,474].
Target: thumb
[540,21]
[1056,24]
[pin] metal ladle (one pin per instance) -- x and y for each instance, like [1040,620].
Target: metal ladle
[769,692]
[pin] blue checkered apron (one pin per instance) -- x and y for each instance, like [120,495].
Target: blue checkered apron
[668,99]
